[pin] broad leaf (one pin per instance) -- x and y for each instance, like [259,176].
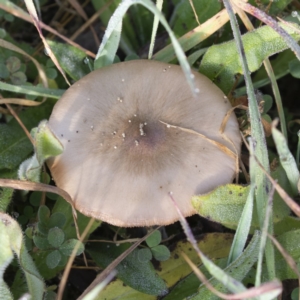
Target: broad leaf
[221,62]
[71,59]
[133,272]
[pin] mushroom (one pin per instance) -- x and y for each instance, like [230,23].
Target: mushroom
[132,133]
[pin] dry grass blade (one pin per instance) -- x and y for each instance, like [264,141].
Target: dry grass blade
[20,123]
[194,37]
[23,102]
[194,11]
[31,9]
[82,13]
[222,147]
[228,114]
[90,21]
[41,187]
[283,194]
[113,265]
[250,293]
[222,129]
[68,267]
[288,258]
[10,46]
[19,13]
[270,72]
[265,18]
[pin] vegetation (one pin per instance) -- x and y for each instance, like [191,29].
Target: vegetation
[246,237]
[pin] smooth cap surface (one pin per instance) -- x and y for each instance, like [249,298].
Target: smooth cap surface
[120,161]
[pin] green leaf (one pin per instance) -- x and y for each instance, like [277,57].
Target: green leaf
[286,159]
[19,286]
[51,73]
[18,78]
[30,170]
[289,223]
[53,259]
[144,255]
[279,66]
[277,6]
[128,42]
[14,233]
[6,193]
[15,145]
[243,228]
[139,275]
[215,245]
[71,59]
[154,239]
[41,242]
[57,220]
[268,102]
[290,242]
[43,214]
[35,198]
[13,64]
[47,144]
[63,207]
[32,90]
[4,73]
[161,252]
[28,211]
[294,67]
[67,247]
[237,270]
[221,62]
[185,20]
[56,237]
[42,228]
[295,294]
[224,205]
[108,48]
[142,23]
[6,256]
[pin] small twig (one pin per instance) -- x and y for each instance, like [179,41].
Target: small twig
[20,123]
[71,259]
[113,265]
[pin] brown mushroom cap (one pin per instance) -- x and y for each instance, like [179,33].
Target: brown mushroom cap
[120,161]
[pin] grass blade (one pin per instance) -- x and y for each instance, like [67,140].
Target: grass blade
[31,90]
[257,134]
[286,159]
[103,58]
[159,4]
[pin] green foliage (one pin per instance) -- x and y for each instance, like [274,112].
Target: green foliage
[12,241]
[49,236]
[221,62]
[138,274]
[225,203]
[286,159]
[71,59]
[15,145]
[184,18]
[241,266]
[46,146]
[295,294]
[154,239]
[159,252]
[48,225]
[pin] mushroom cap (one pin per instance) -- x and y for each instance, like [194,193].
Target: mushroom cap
[120,161]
